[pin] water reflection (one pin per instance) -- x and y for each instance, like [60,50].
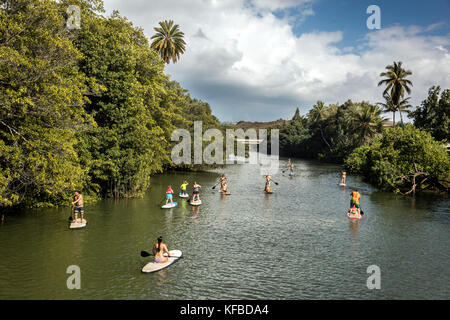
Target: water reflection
[306,214]
[195,211]
[161,277]
[354,227]
[183,204]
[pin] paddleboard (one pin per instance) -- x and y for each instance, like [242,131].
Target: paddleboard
[268,192]
[78,224]
[291,174]
[352,216]
[196,203]
[342,184]
[169,205]
[183,195]
[225,193]
[152,266]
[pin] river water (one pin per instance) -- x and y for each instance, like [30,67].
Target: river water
[294,244]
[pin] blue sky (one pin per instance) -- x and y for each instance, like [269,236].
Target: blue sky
[350,16]
[258,60]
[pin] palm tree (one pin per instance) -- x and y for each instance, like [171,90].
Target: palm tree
[402,105]
[366,122]
[389,106]
[316,115]
[396,81]
[168,41]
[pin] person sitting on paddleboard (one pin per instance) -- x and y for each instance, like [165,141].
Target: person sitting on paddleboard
[354,202]
[78,202]
[169,194]
[196,192]
[343,174]
[183,187]
[158,251]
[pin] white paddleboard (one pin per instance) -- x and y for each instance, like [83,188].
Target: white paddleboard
[152,266]
[196,203]
[342,184]
[169,205]
[78,224]
[183,195]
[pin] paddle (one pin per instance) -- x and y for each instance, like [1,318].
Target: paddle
[146,254]
[271,180]
[70,218]
[216,185]
[161,202]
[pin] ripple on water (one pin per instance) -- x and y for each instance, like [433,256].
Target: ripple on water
[294,244]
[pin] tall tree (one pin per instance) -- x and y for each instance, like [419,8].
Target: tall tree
[366,122]
[434,114]
[316,116]
[396,82]
[168,41]
[391,106]
[388,106]
[41,99]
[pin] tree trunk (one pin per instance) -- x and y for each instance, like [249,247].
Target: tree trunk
[393,118]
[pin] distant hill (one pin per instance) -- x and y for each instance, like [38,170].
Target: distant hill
[260,125]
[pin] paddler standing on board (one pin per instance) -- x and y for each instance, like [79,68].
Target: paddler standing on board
[354,202]
[225,189]
[183,188]
[158,251]
[169,194]
[78,203]
[343,175]
[268,178]
[223,182]
[196,192]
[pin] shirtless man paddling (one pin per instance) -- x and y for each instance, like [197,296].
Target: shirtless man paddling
[78,203]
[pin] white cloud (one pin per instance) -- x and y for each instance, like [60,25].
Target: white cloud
[248,64]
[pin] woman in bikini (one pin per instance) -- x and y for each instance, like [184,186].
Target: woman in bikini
[158,251]
[196,193]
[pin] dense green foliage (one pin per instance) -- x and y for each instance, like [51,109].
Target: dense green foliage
[434,114]
[330,132]
[92,109]
[87,109]
[402,159]
[41,95]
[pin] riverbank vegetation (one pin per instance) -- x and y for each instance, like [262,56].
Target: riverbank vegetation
[92,109]
[404,158]
[88,108]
